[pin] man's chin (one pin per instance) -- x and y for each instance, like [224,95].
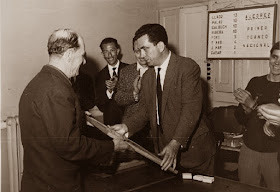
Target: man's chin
[112,62]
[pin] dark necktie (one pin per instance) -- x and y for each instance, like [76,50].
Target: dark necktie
[159,98]
[114,72]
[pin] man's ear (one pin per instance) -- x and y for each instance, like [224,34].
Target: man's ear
[68,54]
[118,51]
[161,46]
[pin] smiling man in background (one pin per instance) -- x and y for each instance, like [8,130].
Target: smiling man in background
[106,82]
[258,162]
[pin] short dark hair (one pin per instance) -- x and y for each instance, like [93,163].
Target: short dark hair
[276,46]
[109,40]
[155,32]
[62,40]
[133,40]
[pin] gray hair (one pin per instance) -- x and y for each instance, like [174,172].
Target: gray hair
[61,40]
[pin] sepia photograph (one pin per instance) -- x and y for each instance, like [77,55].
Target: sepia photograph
[140,95]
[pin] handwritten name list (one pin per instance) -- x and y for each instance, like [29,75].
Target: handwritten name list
[245,33]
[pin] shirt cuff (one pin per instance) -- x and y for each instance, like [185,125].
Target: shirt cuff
[109,95]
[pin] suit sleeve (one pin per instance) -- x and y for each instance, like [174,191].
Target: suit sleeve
[191,101]
[59,114]
[84,87]
[140,118]
[101,98]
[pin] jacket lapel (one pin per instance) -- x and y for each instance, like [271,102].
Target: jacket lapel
[169,76]
[106,73]
[135,72]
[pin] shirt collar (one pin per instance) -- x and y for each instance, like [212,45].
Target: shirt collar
[164,65]
[141,69]
[115,66]
[61,72]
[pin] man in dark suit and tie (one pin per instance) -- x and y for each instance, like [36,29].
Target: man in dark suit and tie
[171,99]
[106,81]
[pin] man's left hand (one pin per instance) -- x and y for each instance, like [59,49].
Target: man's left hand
[169,154]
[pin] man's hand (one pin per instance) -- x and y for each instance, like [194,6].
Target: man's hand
[120,145]
[245,98]
[169,154]
[137,87]
[111,84]
[120,129]
[270,112]
[267,129]
[137,84]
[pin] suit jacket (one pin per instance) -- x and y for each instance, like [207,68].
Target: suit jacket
[50,119]
[84,88]
[182,117]
[124,95]
[112,113]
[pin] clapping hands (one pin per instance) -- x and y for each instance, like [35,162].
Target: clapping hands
[246,100]
[111,83]
[271,113]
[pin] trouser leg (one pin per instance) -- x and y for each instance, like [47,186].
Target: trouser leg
[248,166]
[270,170]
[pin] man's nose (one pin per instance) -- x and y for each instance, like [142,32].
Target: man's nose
[110,54]
[142,53]
[277,62]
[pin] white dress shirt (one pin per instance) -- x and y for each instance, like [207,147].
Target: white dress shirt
[111,71]
[141,69]
[162,72]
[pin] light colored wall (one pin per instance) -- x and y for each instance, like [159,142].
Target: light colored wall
[162,4]
[4,162]
[26,26]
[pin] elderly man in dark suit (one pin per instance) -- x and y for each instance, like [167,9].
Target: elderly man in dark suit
[106,82]
[171,99]
[50,119]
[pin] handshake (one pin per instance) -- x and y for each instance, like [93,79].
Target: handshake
[119,135]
